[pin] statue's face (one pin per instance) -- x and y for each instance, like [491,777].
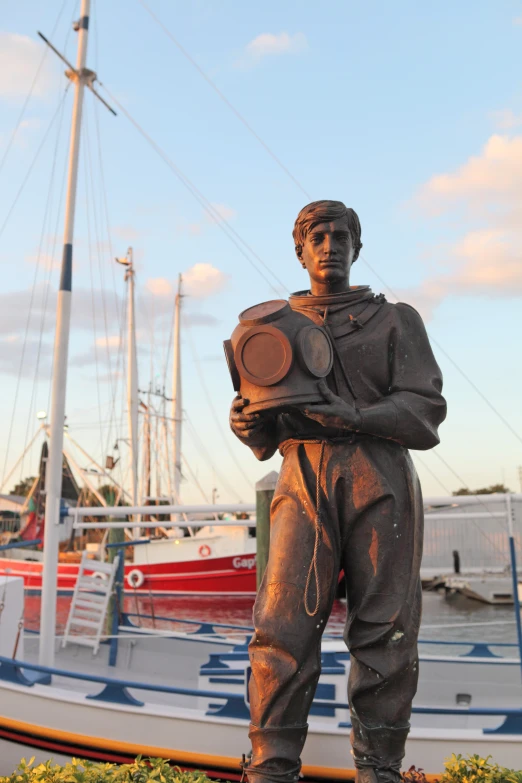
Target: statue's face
[328,253]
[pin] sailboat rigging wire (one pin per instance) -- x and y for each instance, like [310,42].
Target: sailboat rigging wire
[217,418]
[91,273]
[202,449]
[426,467]
[452,361]
[302,189]
[223,97]
[220,221]
[195,479]
[33,162]
[50,257]
[30,93]
[29,314]
[106,207]
[98,244]
[480,502]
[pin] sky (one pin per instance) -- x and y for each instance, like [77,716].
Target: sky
[231,117]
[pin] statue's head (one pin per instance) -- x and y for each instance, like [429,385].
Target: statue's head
[327,237]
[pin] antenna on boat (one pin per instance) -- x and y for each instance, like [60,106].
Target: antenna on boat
[81,77]
[133,401]
[177,394]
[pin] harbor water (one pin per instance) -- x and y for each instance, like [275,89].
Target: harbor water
[444,619]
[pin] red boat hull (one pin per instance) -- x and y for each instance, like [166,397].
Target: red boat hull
[231,575]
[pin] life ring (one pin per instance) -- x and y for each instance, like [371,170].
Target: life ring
[99,575]
[135,578]
[204,550]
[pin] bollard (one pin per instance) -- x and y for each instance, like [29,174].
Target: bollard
[264,494]
[116,536]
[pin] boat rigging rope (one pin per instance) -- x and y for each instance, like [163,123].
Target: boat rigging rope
[33,289]
[215,216]
[33,162]
[49,256]
[202,449]
[31,90]
[303,190]
[225,100]
[217,419]
[91,274]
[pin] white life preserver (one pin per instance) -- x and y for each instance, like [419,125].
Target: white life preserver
[135,578]
[99,575]
[204,550]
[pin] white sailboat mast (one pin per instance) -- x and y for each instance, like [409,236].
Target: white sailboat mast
[61,351]
[133,401]
[177,394]
[132,380]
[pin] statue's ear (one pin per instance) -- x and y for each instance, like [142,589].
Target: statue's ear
[299,252]
[356,253]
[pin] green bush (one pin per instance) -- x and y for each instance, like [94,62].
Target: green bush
[78,771]
[473,769]
[458,770]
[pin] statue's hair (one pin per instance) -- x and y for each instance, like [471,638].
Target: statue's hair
[324,212]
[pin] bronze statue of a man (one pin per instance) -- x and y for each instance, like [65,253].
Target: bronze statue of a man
[347,498]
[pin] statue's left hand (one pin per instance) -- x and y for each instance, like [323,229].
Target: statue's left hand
[335,412]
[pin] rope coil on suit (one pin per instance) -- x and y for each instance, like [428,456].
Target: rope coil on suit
[314,570]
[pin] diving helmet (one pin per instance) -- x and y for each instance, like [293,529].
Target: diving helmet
[276,356]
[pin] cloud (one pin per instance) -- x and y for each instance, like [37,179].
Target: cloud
[492,179]
[200,319]
[517,20]
[485,196]
[46,260]
[126,232]
[20,58]
[159,286]
[111,341]
[219,213]
[506,119]
[224,213]
[270,44]
[203,280]
[17,306]
[34,352]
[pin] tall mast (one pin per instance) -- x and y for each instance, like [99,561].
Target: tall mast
[177,394]
[132,378]
[79,76]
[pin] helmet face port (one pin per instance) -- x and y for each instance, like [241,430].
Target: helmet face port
[263,355]
[315,351]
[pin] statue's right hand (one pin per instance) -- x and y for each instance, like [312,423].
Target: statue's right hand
[247,426]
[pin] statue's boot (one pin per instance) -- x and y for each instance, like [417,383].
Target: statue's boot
[378,752]
[368,775]
[276,754]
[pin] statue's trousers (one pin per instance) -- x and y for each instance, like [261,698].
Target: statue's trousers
[371,522]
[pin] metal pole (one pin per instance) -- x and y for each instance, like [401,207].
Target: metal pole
[132,384]
[22,456]
[96,464]
[264,494]
[61,351]
[82,473]
[514,573]
[177,396]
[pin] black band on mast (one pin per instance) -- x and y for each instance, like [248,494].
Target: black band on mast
[84,23]
[66,276]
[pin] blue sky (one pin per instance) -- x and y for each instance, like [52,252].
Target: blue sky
[410,113]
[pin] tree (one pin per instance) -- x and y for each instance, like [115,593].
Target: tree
[23,487]
[500,488]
